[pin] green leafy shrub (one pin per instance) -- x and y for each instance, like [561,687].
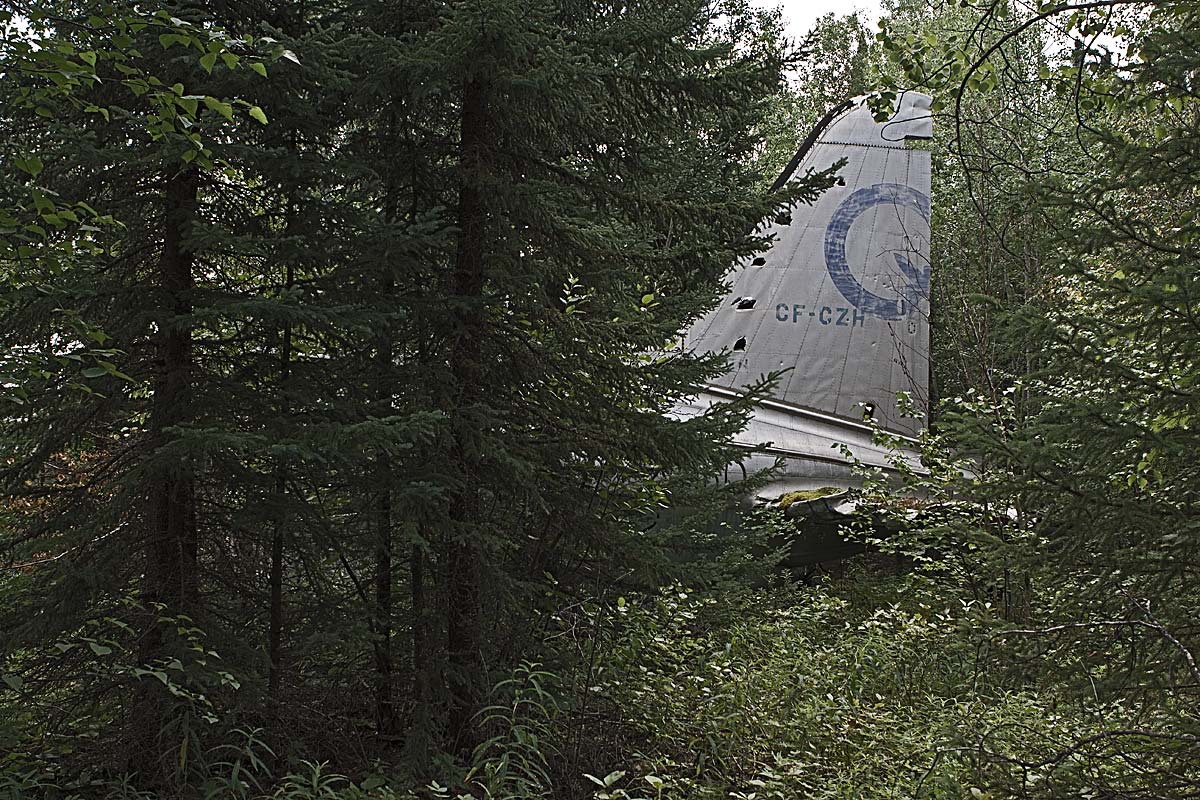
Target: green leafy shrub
[794,692]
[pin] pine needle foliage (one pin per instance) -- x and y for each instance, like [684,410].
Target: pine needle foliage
[341,341]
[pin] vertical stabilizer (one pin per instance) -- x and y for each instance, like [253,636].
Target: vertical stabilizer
[842,297]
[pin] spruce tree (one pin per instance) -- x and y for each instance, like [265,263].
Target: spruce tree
[1084,438]
[365,363]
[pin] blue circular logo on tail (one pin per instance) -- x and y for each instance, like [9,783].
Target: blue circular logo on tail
[915,277]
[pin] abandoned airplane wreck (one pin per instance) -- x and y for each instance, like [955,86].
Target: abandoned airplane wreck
[840,305]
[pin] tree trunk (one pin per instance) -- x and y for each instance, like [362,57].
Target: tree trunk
[385,708]
[275,578]
[386,722]
[171,580]
[275,633]
[173,546]
[464,624]
[420,645]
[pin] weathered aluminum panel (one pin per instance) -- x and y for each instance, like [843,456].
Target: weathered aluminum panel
[811,444]
[841,300]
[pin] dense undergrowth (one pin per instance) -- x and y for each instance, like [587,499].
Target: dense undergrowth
[875,684]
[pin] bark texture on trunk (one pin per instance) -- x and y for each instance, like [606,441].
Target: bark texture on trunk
[386,719]
[171,584]
[464,563]
[275,576]
[172,577]
[387,722]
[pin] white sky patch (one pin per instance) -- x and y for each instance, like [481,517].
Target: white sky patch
[801,14]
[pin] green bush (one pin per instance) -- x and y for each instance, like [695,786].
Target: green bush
[799,692]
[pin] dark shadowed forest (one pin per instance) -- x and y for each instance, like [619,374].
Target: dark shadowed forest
[339,347]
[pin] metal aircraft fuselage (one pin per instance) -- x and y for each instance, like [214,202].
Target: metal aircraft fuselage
[840,302]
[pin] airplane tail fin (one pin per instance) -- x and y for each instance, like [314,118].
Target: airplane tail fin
[841,299]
